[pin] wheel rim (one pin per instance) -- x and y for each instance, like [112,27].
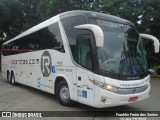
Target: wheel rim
[64,93]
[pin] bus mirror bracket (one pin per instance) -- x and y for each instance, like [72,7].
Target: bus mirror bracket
[97,31]
[154,39]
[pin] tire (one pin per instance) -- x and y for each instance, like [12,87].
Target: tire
[63,94]
[12,79]
[9,78]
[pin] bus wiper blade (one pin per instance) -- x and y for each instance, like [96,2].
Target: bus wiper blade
[138,62]
[124,59]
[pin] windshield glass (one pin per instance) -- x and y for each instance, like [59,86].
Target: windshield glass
[123,52]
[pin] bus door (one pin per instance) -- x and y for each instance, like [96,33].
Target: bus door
[85,88]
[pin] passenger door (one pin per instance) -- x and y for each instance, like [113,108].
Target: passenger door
[85,88]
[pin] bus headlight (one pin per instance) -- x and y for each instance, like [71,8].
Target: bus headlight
[106,86]
[99,84]
[111,88]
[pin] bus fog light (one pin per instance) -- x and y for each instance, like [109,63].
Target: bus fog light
[103,99]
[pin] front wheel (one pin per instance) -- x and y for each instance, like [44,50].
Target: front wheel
[63,94]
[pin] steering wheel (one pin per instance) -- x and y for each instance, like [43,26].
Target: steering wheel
[111,60]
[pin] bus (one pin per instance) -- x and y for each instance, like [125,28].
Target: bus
[81,56]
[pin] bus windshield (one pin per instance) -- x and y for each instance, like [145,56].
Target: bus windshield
[123,52]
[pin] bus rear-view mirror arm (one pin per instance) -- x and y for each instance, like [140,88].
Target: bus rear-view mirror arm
[154,39]
[97,31]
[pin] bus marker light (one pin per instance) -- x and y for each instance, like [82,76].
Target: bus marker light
[132,99]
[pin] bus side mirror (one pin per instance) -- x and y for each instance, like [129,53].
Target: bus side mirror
[97,31]
[154,39]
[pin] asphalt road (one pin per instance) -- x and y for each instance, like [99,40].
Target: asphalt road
[23,98]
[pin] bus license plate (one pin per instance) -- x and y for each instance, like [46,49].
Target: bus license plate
[132,99]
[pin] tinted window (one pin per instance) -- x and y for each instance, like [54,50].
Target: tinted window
[53,39]
[46,38]
[34,41]
[69,24]
[84,54]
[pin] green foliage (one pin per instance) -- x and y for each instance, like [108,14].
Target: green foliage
[42,9]
[11,18]
[57,6]
[144,11]
[29,13]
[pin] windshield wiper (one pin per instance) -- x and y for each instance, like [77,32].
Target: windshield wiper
[129,54]
[124,59]
[137,62]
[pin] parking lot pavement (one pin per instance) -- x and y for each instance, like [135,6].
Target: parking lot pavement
[23,98]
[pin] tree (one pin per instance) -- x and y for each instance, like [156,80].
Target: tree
[11,18]
[42,9]
[58,6]
[143,13]
[30,15]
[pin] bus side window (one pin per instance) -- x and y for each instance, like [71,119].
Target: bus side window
[46,38]
[69,24]
[52,38]
[84,54]
[34,41]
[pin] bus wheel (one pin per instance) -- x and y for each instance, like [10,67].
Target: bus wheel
[63,94]
[8,77]
[12,80]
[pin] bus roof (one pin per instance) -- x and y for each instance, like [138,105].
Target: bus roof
[98,15]
[88,14]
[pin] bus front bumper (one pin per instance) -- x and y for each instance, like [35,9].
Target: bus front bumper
[104,98]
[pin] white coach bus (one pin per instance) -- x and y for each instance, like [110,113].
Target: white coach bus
[89,57]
